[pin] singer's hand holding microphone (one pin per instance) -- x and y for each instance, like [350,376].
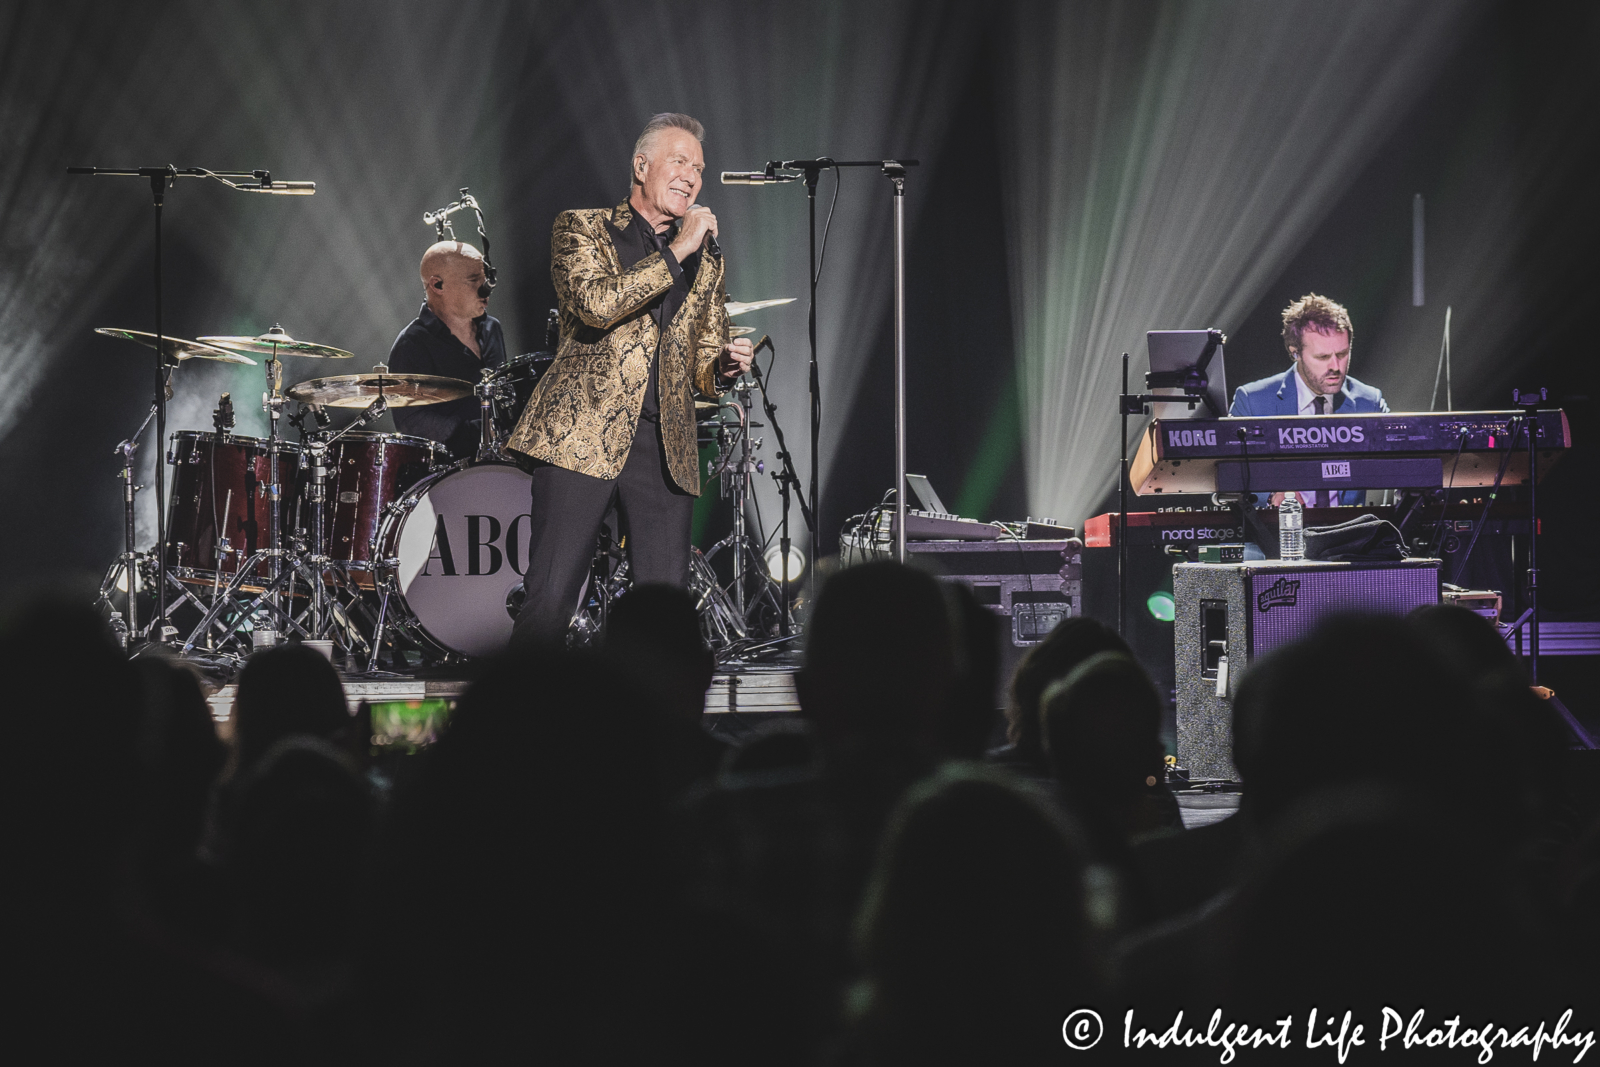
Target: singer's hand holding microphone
[698,226]
[736,357]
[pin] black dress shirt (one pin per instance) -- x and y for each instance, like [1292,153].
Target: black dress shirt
[427,346]
[665,306]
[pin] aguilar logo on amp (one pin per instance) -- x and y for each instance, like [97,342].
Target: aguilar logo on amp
[1282,593]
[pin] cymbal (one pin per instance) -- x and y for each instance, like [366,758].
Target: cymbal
[400,390]
[275,342]
[740,331]
[177,347]
[740,307]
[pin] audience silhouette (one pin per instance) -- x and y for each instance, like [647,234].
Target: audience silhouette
[975,926]
[576,872]
[1069,644]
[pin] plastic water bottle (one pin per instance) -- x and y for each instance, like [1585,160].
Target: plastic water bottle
[119,628]
[1291,528]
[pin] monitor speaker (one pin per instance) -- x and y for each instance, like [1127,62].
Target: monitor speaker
[1230,613]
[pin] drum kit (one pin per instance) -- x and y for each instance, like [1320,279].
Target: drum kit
[380,544]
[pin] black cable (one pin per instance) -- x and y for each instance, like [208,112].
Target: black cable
[1444,497]
[822,251]
[1483,516]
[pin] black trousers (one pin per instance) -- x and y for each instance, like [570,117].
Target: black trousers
[568,507]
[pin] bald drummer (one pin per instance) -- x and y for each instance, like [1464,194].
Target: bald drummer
[453,336]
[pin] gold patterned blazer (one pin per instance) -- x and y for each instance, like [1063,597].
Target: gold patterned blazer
[583,413]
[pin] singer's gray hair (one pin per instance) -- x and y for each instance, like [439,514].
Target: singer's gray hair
[667,120]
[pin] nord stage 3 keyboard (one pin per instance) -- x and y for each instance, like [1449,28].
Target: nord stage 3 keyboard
[1202,525]
[1396,450]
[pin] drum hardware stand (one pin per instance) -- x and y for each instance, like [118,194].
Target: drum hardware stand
[787,480]
[310,566]
[161,179]
[730,618]
[127,565]
[488,391]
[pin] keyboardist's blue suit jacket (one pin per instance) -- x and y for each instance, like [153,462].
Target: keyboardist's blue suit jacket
[1277,396]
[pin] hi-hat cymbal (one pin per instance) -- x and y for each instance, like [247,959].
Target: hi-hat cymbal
[359,390]
[177,347]
[275,342]
[740,307]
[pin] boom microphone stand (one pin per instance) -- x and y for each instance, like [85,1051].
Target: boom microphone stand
[811,169]
[162,179]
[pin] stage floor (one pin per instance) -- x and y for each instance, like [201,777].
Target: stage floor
[751,690]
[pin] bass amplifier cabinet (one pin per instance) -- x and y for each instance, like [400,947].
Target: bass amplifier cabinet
[1230,613]
[1031,585]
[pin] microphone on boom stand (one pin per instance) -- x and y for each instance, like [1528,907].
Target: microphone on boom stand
[755,177]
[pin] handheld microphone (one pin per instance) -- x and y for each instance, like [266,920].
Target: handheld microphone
[755,364]
[711,238]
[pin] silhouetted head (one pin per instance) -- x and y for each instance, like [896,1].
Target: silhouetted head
[302,828]
[653,633]
[1521,735]
[1102,729]
[1069,644]
[542,797]
[1374,890]
[1359,699]
[973,935]
[290,689]
[71,725]
[179,755]
[880,661]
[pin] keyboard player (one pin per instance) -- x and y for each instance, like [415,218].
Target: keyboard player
[1318,334]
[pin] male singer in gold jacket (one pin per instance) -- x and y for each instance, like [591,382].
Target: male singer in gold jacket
[643,327]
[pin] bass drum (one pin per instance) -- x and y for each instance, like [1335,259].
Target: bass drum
[450,552]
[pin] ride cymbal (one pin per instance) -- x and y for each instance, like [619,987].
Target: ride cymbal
[275,342]
[176,347]
[359,390]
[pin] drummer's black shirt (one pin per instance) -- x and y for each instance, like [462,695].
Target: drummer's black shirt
[427,346]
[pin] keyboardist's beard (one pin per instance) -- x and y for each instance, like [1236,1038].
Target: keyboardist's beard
[1320,386]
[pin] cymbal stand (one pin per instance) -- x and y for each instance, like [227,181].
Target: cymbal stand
[787,480]
[487,389]
[324,609]
[126,568]
[739,460]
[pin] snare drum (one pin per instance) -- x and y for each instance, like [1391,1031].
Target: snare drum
[367,472]
[219,490]
[449,554]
